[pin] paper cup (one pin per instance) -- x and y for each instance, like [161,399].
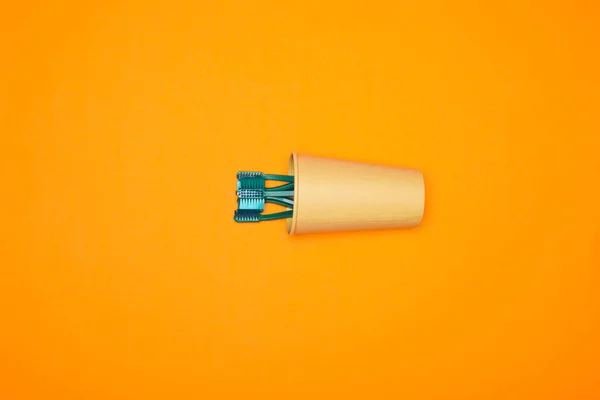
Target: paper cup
[335,195]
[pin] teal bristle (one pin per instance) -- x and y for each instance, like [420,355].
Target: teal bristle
[246,217]
[245,204]
[249,174]
[251,183]
[250,194]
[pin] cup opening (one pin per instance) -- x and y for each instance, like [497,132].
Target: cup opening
[293,170]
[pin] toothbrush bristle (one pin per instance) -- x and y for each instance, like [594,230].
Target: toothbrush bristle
[251,183]
[246,217]
[250,194]
[252,204]
[248,174]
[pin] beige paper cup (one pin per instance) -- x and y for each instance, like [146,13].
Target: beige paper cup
[335,195]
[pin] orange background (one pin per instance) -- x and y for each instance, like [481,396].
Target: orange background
[124,276]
